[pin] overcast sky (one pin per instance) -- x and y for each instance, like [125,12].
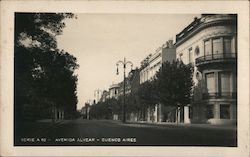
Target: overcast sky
[98,41]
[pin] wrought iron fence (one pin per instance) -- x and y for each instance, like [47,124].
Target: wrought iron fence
[212,57]
[229,95]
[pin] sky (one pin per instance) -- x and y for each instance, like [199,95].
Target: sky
[98,41]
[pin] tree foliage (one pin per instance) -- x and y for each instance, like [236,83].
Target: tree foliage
[174,83]
[147,93]
[106,109]
[44,75]
[172,87]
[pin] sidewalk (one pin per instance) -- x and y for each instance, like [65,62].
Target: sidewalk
[207,126]
[49,127]
[33,129]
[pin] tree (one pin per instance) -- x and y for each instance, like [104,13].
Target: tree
[147,96]
[106,109]
[44,75]
[39,29]
[174,83]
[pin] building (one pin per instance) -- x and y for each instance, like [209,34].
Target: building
[127,87]
[85,111]
[113,91]
[149,66]
[132,83]
[152,63]
[97,95]
[105,96]
[209,43]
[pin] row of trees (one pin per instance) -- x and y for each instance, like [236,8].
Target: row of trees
[171,86]
[44,75]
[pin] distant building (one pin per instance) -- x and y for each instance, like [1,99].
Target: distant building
[97,95]
[127,87]
[132,83]
[209,43]
[85,111]
[113,91]
[105,96]
[149,66]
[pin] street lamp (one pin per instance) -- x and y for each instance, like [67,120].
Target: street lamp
[97,92]
[124,63]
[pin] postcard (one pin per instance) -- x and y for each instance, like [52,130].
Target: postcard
[124,78]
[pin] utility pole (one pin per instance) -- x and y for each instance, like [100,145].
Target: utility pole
[124,63]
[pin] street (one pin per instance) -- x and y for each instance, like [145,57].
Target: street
[114,133]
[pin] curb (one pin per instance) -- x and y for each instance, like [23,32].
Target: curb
[207,126]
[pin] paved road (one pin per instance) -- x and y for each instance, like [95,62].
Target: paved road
[104,132]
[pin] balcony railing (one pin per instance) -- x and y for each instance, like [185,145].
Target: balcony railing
[215,58]
[221,95]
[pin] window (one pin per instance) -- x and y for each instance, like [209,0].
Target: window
[197,50]
[210,82]
[208,50]
[198,75]
[224,82]
[217,46]
[210,111]
[190,57]
[225,111]
[227,45]
[180,56]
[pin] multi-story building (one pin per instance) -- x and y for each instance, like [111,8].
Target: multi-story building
[149,66]
[132,83]
[113,91]
[152,63]
[105,96]
[209,43]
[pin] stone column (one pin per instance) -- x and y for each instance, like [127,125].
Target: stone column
[148,114]
[156,113]
[186,114]
[62,114]
[159,113]
[217,111]
[216,79]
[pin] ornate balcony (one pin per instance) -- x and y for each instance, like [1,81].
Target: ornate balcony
[215,58]
[221,95]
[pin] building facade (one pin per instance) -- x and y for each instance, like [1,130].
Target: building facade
[114,91]
[85,111]
[149,66]
[152,63]
[209,43]
[105,96]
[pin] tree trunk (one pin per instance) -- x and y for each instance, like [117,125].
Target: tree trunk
[177,115]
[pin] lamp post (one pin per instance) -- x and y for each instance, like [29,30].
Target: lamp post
[123,63]
[96,93]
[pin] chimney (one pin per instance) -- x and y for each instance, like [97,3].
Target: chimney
[170,43]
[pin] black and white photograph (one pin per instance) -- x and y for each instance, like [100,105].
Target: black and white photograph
[182,92]
[126,79]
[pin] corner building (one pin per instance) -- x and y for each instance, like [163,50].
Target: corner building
[209,43]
